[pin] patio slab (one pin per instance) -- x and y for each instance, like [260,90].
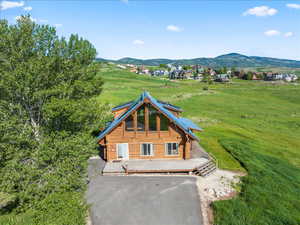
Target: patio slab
[114,167]
[154,166]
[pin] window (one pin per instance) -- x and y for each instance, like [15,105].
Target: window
[152,118]
[146,149]
[141,119]
[129,123]
[164,123]
[172,149]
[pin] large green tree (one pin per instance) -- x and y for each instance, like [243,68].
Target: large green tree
[39,69]
[48,110]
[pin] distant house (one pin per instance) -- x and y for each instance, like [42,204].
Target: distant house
[290,77]
[159,72]
[133,70]
[148,129]
[142,70]
[221,78]
[285,77]
[177,74]
[212,72]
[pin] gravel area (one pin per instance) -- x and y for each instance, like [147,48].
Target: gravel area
[216,186]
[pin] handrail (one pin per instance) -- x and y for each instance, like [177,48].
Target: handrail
[214,159]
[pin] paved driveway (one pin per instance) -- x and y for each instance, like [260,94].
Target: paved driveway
[136,200]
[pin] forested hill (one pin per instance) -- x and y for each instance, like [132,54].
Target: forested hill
[229,60]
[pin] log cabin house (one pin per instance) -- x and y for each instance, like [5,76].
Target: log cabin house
[147,129]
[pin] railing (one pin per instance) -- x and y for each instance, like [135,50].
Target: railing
[214,159]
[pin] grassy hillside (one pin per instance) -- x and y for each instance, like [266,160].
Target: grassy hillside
[253,126]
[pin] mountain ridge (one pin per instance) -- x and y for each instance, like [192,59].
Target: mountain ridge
[228,60]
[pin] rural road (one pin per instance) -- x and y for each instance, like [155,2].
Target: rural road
[137,200]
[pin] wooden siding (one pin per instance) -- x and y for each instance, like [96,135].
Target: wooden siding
[157,138]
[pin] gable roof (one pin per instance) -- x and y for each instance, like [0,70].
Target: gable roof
[190,124]
[185,124]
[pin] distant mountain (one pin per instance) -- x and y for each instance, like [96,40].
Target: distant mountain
[228,60]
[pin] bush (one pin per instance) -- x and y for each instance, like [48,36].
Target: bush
[56,208]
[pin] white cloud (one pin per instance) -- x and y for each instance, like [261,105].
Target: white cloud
[124,1]
[138,42]
[174,28]
[58,25]
[272,33]
[27,8]
[293,6]
[10,4]
[261,11]
[288,34]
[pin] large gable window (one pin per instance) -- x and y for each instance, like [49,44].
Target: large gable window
[147,114]
[129,123]
[164,123]
[141,118]
[152,118]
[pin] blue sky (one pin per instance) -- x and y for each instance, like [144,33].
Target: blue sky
[172,29]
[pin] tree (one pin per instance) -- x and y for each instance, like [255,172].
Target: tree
[207,76]
[224,70]
[187,67]
[48,111]
[41,69]
[248,75]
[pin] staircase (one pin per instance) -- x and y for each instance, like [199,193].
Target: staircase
[206,169]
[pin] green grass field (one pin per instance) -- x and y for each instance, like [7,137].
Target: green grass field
[248,126]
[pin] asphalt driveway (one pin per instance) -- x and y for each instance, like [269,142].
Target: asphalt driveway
[136,200]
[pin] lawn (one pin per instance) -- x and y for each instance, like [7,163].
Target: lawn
[248,125]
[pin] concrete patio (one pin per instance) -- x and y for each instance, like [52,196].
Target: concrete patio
[198,159]
[154,166]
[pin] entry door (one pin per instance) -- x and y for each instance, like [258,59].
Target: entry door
[122,151]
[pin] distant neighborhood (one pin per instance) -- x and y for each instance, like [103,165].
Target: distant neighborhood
[205,74]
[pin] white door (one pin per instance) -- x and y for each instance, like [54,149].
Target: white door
[122,151]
